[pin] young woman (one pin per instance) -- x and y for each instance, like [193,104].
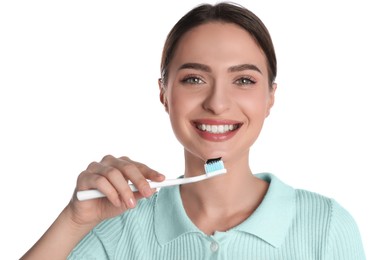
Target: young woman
[217,85]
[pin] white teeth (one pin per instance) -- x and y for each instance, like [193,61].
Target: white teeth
[216,129]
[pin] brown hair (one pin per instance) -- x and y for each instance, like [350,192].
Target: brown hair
[221,12]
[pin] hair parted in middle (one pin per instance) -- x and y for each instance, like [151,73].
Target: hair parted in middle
[226,13]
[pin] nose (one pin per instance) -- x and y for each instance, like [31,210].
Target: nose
[217,100]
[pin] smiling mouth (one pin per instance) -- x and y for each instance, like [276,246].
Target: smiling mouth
[217,129]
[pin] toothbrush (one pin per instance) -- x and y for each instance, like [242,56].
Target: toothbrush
[213,167]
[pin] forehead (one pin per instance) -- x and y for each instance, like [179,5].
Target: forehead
[218,41]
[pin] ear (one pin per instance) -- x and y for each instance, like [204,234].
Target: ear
[163,98]
[271,99]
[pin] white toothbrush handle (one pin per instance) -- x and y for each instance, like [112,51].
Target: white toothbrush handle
[89,194]
[94,194]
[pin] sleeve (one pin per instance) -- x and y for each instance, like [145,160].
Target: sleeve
[90,247]
[100,243]
[344,237]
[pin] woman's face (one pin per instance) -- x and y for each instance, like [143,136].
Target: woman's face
[217,95]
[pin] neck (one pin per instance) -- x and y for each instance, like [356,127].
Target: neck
[234,195]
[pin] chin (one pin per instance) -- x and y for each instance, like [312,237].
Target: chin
[215,154]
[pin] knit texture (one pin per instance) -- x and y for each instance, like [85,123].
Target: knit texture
[320,229]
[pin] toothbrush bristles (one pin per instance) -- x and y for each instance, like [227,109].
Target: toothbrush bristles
[214,164]
[213,160]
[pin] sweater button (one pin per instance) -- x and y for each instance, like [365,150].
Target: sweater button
[214,246]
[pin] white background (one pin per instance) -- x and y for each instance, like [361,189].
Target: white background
[78,80]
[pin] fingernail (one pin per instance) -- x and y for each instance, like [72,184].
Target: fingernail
[131,203]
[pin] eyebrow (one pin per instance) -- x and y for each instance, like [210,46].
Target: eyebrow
[205,68]
[243,67]
[195,66]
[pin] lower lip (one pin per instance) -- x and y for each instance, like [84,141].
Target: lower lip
[216,137]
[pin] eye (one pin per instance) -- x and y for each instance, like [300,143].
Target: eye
[192,80]
[245,81]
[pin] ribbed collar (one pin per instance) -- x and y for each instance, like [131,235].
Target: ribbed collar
[269,222]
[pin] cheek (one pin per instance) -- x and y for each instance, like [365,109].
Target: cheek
[182,102]
[254,105]
[180,105]
[176,101]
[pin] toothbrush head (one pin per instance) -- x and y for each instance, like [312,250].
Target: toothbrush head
[214,166]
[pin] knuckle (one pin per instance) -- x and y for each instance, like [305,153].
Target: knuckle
[92,165]
[112,172]
[142,166]
[101,182]
[125,158]
[107,158]
[129,168]
[81,176]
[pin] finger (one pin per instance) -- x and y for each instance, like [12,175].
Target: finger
[136,172]
[117,188]
[118,181]
[146,171]
[132,173]
[89,180]
[103,185]
[149,173]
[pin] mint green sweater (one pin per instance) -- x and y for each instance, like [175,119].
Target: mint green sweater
[289,224]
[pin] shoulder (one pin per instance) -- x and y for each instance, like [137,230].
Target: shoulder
[308,200]
[314,203]
[319,207]
[326,216]
[344,235]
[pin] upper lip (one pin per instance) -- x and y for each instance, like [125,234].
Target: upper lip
[211,121]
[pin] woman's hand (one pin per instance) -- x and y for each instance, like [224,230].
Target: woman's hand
[110,176]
